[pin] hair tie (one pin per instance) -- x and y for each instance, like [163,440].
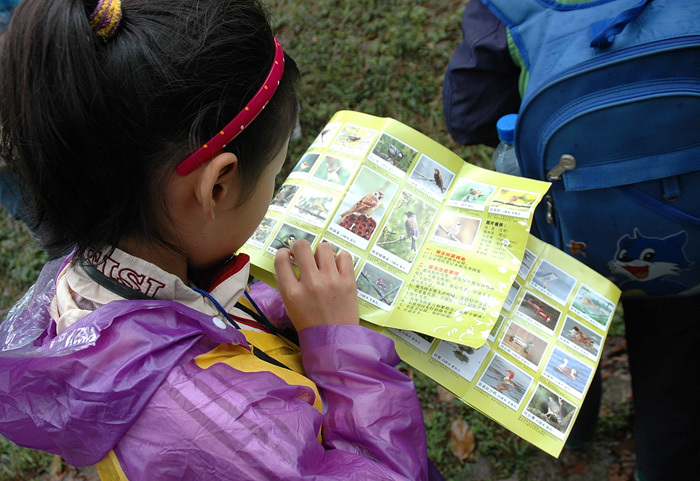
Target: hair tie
[105,19]
[240,121]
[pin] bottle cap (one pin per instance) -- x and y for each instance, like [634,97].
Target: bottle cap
[506,128]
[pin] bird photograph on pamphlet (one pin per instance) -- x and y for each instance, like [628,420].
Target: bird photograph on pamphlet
[363,207]
[581,338]
[334,171]
[304,166]
[471,194]
[392,154]
[431,177]
[405,230]
[513,202]
[568,372]
[313,206]
[505,381]
[353,139]
[457,230]
[378,286]
[263,231]
[287,235]
[550,411]
[283,197]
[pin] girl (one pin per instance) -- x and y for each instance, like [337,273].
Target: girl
[148,134]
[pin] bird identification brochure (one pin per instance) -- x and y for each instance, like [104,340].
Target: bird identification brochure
[445,266]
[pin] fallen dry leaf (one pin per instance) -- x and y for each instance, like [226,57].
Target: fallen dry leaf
[56,470]
[444,395]
[461,439]
[59,471]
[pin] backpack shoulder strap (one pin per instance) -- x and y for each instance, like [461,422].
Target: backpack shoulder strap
[512,13]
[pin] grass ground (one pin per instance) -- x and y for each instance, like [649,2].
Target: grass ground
[386,58]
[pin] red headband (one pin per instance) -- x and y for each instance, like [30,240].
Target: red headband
[240,121]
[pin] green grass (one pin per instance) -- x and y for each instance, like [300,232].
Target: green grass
[20,261]
[18,464]
[385,58]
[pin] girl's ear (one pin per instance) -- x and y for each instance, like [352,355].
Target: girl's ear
[217,182]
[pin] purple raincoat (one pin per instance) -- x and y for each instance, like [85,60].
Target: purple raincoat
[124,379]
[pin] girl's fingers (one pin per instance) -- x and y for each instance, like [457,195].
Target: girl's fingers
[343,261]
[323,293]
[304,257]
[283,267]
[325,257]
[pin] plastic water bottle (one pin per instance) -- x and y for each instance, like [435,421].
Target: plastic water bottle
[504,159]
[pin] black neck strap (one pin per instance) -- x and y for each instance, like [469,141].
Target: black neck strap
[132,294]
[108,283]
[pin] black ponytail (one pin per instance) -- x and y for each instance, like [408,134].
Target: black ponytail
[93,126]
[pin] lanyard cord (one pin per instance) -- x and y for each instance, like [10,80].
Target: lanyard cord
[129,293]
[110,284]
[258,315]
[263,317]
[217,305]
[259,353]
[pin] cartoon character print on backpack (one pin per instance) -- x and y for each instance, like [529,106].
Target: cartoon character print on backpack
[650,264]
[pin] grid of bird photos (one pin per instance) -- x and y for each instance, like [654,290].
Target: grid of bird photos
[387,194]
[534,370]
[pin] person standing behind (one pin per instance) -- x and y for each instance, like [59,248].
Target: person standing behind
[481,84]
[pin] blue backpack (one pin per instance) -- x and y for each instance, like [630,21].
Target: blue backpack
[611,116]
[7,8]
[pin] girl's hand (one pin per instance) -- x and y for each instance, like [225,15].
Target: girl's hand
[324,293]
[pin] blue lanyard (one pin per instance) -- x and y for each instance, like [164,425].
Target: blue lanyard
[259,353]
[217,305]
[258,315]
[263,318]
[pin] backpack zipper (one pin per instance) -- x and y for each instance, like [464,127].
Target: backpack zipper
[591,102]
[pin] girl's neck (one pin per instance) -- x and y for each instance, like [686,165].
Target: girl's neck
[162,256]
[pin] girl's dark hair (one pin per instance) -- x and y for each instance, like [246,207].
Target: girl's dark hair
[93,128]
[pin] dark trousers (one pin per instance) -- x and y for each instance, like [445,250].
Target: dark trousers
[586,422]
[663,341]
